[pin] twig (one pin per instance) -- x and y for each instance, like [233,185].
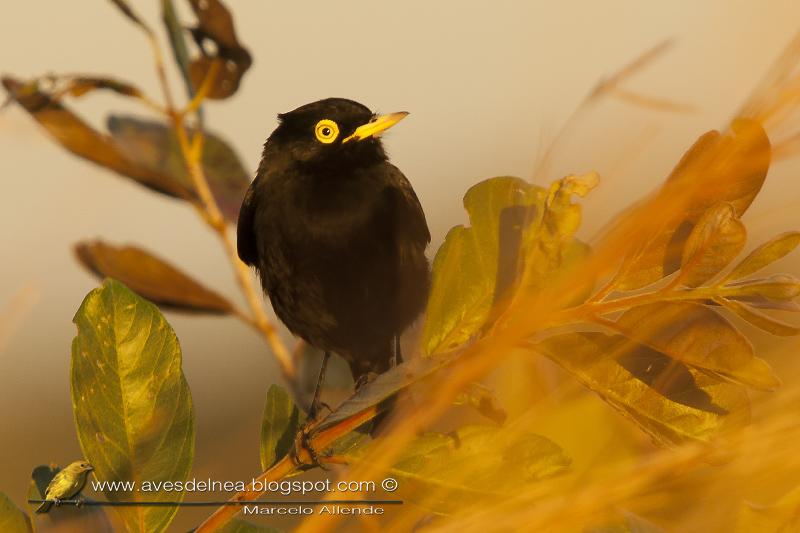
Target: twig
[192,155]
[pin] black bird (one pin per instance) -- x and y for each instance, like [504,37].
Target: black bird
[337,235]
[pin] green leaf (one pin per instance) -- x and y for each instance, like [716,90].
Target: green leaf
[465,268]
[154,145]
[84,141]
[765,254]
[519,236]
[717,168]
[671,402]
[700,337]
[476,461]
[132,405]
[150,277]
[715,241]
[279,426]
[12,520]
[177,42]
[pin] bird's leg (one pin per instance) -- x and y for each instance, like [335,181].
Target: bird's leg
[315,403]
[57,501]
[397,356]
[79,501]
[303,441]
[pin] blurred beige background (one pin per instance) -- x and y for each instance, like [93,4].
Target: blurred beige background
[488,85]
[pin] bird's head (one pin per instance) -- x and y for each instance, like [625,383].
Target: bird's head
[78,467]
[334,132]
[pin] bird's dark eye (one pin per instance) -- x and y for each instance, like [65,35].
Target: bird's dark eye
[326,131]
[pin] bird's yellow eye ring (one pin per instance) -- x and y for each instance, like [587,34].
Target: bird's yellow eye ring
[326,131]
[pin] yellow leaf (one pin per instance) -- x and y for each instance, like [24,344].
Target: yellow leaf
[686,406]
[515,227]
[465,268]
[758,319]
[765,254]
[700,337]
[729,168]
[714,242]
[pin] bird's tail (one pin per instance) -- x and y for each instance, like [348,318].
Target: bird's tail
[44,507]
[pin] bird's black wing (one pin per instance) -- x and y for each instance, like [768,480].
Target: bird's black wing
[245,229]
[406,206]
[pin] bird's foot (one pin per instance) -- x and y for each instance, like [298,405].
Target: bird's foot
[57,502]
[363,379]
[79,501]
[304,453]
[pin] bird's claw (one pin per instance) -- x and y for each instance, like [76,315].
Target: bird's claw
[57,502]
[363,379]
[79,501]
[303,444]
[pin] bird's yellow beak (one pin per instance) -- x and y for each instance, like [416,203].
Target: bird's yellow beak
[375,127]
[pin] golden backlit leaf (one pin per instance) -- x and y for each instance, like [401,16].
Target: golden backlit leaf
[82,140]
[671,402]
[474,462]
[150,277]
[759,319]
[549,245]
[154,146]
[215,23]
[465,269]
[765,254]
[132,405]
[698,336]
[519,236]
[778,287]
[729,168]
[715,241]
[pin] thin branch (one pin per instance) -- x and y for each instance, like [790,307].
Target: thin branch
[192,155]
[217,222]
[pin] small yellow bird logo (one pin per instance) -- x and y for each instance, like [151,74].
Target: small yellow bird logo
[66,484]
